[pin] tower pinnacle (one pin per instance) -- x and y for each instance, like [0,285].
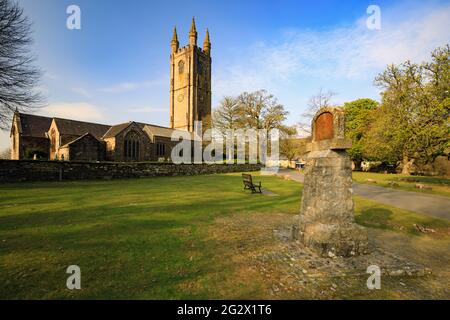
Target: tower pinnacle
[207,43]
[175,44]
[193,34]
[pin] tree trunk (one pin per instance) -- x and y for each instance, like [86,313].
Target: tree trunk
[357,165]
[407,165]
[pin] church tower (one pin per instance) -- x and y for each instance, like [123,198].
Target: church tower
[190,81]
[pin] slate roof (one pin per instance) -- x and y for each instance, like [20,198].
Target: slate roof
[34,126]
[148,128]
[73,127]
[161,131]
[77,139]
[37,126]
[116,129]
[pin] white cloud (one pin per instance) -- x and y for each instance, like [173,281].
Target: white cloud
[81,91]
[344,53]
[147,110]
[51,76]
[78,111]
[131,86]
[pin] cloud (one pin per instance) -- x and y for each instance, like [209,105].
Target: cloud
[147,110]
[342,53]
[78,111]
[51,76]
[131,86]
[81,91]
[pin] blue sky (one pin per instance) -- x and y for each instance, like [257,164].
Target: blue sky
[116,67]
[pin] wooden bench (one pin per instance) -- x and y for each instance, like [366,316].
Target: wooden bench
[248,183]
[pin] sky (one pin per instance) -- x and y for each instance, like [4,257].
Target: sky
[116,67]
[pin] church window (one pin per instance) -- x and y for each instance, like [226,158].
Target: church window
[131,146]
[53,140]
[181,66]
[160,149]
[14,137]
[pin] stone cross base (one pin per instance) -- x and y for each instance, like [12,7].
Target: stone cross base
[334,239]
[326,221]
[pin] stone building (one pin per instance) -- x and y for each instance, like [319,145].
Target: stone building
[190,81]
[40,137]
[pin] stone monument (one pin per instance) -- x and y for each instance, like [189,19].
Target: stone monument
[326,221]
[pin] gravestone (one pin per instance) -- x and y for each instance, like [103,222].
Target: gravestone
[326,221]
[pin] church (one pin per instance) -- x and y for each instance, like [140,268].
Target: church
[46,138]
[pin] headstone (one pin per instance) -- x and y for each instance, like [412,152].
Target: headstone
[326,221]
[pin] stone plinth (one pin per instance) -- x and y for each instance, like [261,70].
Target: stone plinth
[326,221]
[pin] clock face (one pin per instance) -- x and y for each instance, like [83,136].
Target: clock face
[180,97]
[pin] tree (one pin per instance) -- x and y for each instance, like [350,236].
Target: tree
[412,125]
[226,115]
[18,76]
[261,110]
[292,147]
[252,110]
[357,121]
[316,102]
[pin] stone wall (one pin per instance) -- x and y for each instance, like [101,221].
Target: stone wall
[29,170]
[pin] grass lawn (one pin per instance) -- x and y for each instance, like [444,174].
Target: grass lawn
[440,185]
[170,238]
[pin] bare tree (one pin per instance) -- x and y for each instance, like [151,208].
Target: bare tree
[226,115]
[18,76]
[316,102]
[261,110]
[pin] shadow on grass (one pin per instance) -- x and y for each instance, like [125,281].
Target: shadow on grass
[375,218]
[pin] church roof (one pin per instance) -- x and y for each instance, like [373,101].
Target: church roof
[78,139]
[34,126]
[38,126]
[74,127]
[162,131]
[150,129]
[158,130]
[116,129]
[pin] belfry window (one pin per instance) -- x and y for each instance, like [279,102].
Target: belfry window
[181,66]
[131,146]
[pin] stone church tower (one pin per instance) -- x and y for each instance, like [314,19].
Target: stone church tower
[190,81]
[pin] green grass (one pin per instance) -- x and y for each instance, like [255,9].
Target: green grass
[131,238]
[440,185]
[147,238]
[375,215]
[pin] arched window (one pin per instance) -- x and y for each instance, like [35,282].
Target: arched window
[181,66]
[160,149]
[53,140]
[13,131]
[131,146]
